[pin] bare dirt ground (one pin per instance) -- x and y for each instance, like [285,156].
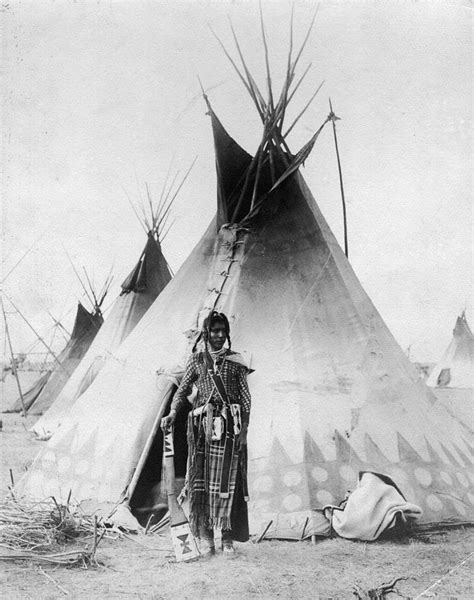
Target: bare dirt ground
[143,566]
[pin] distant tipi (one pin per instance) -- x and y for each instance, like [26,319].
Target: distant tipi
[456,367]
[45,390]
[145,282]
[332,391]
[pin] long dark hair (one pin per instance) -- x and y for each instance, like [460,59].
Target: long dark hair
[212,318]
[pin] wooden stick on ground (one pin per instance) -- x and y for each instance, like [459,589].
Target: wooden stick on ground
[60,588]
[264,532]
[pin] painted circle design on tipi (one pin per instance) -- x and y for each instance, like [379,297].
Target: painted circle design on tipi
[324,497]
[319,474]
[82,466]
[64,464]
[292,502]
[292,478]
[446,478]
[434,503]
[264,483]
[462,479]
[459,506]
[423,476]
[348,473]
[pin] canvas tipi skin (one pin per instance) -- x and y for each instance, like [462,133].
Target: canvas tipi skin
[32,393]
[43,393]
[332,392]
[456,367]
[145,282]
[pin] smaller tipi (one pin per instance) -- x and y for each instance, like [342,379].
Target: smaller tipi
[148,278]
[33,387]
[86,325]
[456,368]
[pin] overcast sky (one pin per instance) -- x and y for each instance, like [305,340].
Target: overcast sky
[100,97]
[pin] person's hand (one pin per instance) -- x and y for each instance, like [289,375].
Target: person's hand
[168,421]
[243,438]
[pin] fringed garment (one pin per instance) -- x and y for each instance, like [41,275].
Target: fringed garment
[217,474]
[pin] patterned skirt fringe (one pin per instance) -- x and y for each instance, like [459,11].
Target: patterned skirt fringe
[209,507]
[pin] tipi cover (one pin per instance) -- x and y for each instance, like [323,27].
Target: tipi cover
[332,391]
[139,290]
[86,326]
[32,393]
[456,368]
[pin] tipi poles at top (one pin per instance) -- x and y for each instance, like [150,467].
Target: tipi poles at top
[260,160]
[298,160]
[89,293]
[105,288]
[273,116]
[257,96]
[150,205]
[99,299]
[303,111]
[59,325]
[14,369]
[284,98]
[333,118]
[159,214]
[163,211]
[267,61]
[237,70]
[140,220]
[95,300]
[273,143]
[86,291]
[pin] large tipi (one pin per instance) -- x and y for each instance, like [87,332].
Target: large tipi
[145,282]
[456,367]
[45,390]
[332,391]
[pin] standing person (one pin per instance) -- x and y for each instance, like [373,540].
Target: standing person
[216,480]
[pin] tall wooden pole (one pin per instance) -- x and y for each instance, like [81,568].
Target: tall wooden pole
[40,339]
[332,117]
[14,370]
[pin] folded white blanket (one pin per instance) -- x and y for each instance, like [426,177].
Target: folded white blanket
[371,508]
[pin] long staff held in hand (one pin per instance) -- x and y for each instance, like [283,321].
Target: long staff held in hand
[185,546]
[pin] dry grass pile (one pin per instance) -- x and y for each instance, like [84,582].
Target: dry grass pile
[40,532]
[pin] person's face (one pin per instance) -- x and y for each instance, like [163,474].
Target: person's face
[217,335]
